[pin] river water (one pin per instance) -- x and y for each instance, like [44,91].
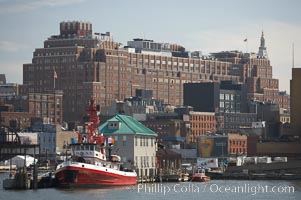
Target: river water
[216,189]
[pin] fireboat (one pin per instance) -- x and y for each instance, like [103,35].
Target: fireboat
[89,165]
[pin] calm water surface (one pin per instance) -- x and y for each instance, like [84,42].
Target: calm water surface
[216,189]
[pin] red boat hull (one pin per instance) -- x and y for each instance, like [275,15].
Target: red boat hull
[70,176]
[198,178]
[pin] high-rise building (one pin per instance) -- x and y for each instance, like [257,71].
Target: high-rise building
[91,64]
[256,71]
[296,101]
[84,64]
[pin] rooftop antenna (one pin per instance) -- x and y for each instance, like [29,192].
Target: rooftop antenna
[293,56]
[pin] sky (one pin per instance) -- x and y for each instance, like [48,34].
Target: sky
[207,26]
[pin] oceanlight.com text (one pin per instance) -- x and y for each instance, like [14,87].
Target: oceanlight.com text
[251,189]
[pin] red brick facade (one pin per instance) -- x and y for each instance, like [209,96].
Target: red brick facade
[237,144]
[202,123]
[47,106]
[89,65]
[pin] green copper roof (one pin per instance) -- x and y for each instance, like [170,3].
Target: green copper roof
[128,125]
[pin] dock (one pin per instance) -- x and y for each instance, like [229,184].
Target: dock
[23,179]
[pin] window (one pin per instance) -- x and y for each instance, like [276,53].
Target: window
[136,161]
[152,161]
[221,104]
[147,161]
[124,140]
[116,140]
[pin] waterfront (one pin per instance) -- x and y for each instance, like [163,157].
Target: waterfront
[216,189]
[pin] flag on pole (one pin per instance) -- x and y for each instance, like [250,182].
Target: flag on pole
[54,74]
[54,77]
[245,40]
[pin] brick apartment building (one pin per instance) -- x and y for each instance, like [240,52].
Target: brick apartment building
[92,64]
[237,144]
[170,129]
[202,123]
[47,106]
[16,120]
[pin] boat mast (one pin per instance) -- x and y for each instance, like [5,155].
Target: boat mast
[93,121]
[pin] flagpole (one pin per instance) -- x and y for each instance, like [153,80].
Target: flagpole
[53,79]
[246,41]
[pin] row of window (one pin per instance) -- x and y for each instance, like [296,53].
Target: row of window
[202,132]
[240,150]
[202,118]
[64,67]
[229,105]
[45,112]
[56,53]
[144,161]
[231,97]
[22,119]
[237,142]
[144,141]
[54,60]
[184,69]
[203,125]
[164,62]
[240,119]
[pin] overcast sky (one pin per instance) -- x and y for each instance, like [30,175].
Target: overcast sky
[207,26]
